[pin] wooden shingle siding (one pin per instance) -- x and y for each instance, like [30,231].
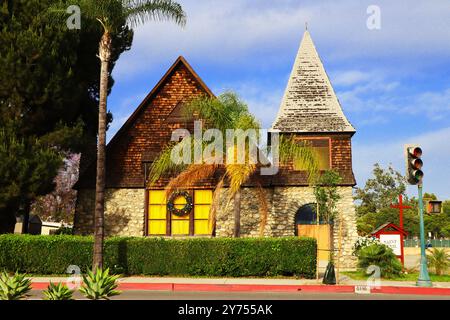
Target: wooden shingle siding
[147,130]
[341,152]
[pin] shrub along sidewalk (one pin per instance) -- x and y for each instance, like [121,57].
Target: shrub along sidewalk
[242,257]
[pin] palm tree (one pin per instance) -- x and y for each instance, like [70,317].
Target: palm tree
[226,112]
[439,260]
[111,15]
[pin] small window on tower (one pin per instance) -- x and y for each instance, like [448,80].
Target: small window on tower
[321,149]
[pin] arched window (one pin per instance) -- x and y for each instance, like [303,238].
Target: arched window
[306,215]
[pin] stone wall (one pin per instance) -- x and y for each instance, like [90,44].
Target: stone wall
[283,205]
[124,215]
[124,212]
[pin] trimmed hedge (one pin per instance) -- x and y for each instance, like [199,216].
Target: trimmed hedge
[158,256]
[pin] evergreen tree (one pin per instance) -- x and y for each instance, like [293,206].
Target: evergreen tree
[379,191]
[27,170]
[48,91]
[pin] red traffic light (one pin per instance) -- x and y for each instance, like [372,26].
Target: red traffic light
[416,152]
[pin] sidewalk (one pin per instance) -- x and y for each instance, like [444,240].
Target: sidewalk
[346,285]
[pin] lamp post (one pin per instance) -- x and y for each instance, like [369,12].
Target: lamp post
[424,278]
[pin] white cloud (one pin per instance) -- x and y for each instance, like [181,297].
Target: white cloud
[350,77]
[263,101]
[225,32]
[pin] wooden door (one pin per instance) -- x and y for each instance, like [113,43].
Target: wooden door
[319,232]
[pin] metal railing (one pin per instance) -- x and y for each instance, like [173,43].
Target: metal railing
[436,243]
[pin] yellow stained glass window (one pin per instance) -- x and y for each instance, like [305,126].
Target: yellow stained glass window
[157,213]
[201,227]
[202,207]
[180,227]
[179,202]
[201,211]
[203,196]
[157,197]
[157,227]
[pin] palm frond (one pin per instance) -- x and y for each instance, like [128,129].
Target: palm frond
[238,174]
[141,11]
[291,151]
[164,164]
[193,174]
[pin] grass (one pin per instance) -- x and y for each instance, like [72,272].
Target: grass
[360,275]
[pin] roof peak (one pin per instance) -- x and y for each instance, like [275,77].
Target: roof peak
[309,103]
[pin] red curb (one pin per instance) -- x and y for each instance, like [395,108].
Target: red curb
[146,286]
[40,285]
[125,286]
[412,290]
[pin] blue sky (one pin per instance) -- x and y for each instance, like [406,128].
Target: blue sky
[393,83]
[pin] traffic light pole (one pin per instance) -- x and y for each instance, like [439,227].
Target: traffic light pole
[424,278]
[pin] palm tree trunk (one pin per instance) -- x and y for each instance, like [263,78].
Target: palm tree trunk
[104,55]
[237,214]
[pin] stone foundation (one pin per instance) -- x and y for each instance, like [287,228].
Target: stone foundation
[124,215]
[283,205]
[124,212]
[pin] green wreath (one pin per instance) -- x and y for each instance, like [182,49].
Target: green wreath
[187,207]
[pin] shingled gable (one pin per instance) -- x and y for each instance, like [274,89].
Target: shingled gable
[309,103]
[147,130]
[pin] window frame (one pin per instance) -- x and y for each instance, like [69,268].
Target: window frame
[328,138]
[169,216]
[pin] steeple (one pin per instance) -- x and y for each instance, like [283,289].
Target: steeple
[309,103]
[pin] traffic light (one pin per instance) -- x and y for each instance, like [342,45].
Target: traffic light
[414,164]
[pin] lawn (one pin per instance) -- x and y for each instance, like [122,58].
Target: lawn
[359,275]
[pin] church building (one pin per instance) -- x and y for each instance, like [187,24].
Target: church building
[309,110]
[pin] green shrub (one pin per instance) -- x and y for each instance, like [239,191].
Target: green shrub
[439,260]
[64,230]
[57,292]
[382,256]
[99,285]
[159,256]
[14,287]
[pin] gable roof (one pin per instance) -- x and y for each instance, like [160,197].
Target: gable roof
[309,104]
[151,95]
[389,225]
[146,131]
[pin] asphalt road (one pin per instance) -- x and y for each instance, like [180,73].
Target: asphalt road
[177,295]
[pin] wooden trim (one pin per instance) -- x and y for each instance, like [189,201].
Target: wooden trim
[168,222]
[169,216]
[330,147]
[325,137]
[146,207]
[191,214]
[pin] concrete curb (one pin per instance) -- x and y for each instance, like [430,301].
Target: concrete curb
[124,286]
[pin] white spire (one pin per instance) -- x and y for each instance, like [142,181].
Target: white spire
[309,103]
